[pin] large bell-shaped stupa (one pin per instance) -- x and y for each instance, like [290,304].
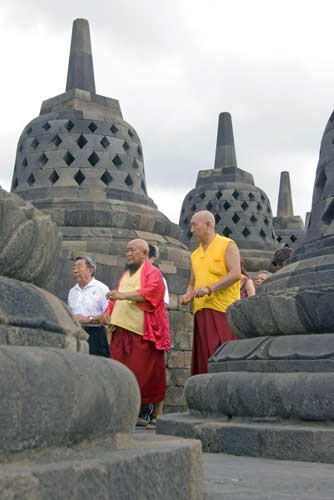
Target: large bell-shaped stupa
[82,163]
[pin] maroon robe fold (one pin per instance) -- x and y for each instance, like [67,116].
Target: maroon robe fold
[210,331]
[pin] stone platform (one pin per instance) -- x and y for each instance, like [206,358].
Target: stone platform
[308,442]
[148,467]
[227,477]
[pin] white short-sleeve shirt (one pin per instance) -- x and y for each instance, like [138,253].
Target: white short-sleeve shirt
[89,300]
[166,297]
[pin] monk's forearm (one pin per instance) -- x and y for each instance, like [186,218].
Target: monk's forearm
[226,281]
[134,296]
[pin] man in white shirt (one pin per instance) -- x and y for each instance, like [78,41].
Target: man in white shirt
[87,302]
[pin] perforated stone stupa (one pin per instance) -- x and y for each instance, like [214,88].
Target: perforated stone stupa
[289,228]
[242,211]
[82,163]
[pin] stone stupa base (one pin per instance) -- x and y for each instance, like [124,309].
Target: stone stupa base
[266,397]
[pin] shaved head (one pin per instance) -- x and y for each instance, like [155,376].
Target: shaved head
[136,254]
[139,244]
[204,216]
[203,226]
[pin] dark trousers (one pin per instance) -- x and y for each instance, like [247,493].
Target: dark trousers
[97,341]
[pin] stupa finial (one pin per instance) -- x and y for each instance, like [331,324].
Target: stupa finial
[284,205]
[80,73]
[225,150]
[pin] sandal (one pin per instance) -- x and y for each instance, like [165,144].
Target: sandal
[152,424]
[141,422]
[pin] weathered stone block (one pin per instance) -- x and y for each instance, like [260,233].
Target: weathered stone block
[176,359]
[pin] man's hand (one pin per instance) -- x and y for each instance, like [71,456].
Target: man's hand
[200,292]
[114,295]
[186,298]
[81,318]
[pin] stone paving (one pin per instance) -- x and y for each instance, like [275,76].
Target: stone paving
[228,477]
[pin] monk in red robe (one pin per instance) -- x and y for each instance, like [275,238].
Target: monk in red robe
[139,323]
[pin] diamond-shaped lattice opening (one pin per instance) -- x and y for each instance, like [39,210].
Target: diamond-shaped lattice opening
[272,236]
[113,129]
[259,207]
[263,198]
[131,134]
[93,159]
[46,126]
[328,216]
[31,180]
[34,144]
[266,221]
[217,218]
[209,206]
[69,125]
[244,205]
[105,143]
[268,210]
[92,127]
[321,181]
[251,197]
[43,159]
[293,238]
[15,184]
[25,162]
[253,219]
[202,196]
[20,148]
[189,235]
[68,158]
[139,151]
[193,207]
[279,239]
[186,221]
[235,218]
[29,130]
[219,194]
[182,210]
[128,181]
[226,205]
[246,232]
[106,178]
[143,186]
[117,161]
[53,178]
[190,198]
[82,141]
[56,140]
[126,146]
[135,164]
[227,232]
[79,177]
[263,234]
[235,194]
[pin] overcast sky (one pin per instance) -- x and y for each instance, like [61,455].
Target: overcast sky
[174,66]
